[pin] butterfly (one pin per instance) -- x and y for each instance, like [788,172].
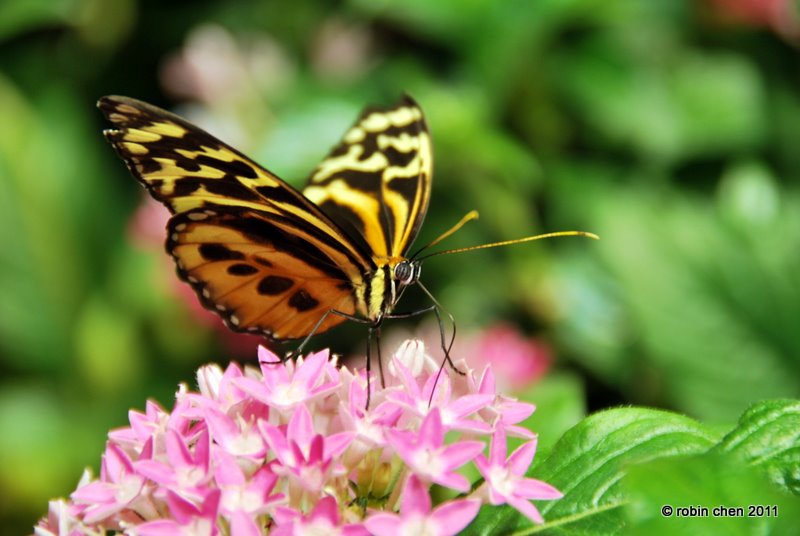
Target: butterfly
[270,259]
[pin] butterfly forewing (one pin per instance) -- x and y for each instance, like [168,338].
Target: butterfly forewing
[255,250]
[375,184]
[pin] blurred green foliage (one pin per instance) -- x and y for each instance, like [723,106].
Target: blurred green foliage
[666,129]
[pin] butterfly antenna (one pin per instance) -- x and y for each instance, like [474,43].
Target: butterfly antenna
[469,216]
[510,242]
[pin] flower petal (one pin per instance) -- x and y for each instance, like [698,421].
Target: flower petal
[383,524]
[526,508]
[416,498]
[520,461]
[452,517]
[531,488]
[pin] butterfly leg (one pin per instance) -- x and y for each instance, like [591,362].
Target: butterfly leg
[299,350]
[374,329]
[380,359]
[446,347]
[369,360]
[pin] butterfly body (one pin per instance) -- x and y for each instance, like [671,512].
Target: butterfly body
[383,288]
[266,257]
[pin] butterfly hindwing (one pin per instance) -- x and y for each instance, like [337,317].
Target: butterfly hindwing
[259,278]
[239,234]
[375,184]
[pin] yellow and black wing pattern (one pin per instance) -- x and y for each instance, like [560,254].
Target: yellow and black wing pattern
[376,182]
[263,256]
[255,250]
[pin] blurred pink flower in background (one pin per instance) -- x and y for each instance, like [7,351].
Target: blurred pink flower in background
[516,360]
[147,227]
[294,448]
[342,52]
[781,16]
[214,66]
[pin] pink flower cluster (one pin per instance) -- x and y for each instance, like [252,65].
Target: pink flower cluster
[292,448]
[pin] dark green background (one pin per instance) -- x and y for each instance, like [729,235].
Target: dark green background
[663,126]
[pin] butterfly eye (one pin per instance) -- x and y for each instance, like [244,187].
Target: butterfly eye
[407,272]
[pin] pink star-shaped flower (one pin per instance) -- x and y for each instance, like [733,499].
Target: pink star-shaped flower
[286,386]
[506,480]
[309,458]
[143,427]
[454,413]
[61,519]
[427,456]
[323,519]
[219,388]
[119,486]
[236,436]
[188,519]
[503,411]
[244,498]
[184,473]
[368,424]
[416,516]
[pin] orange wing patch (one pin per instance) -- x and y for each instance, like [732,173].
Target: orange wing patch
[257,285]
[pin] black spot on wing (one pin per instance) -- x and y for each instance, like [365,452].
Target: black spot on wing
[241,269]
[273,285]
[303,301]
[218,252]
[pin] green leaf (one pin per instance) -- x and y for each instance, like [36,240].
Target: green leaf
[588,463]
[768,437]
[618,468]
[765,443]
[707,494]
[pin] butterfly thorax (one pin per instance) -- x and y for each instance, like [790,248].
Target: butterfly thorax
[382,289]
